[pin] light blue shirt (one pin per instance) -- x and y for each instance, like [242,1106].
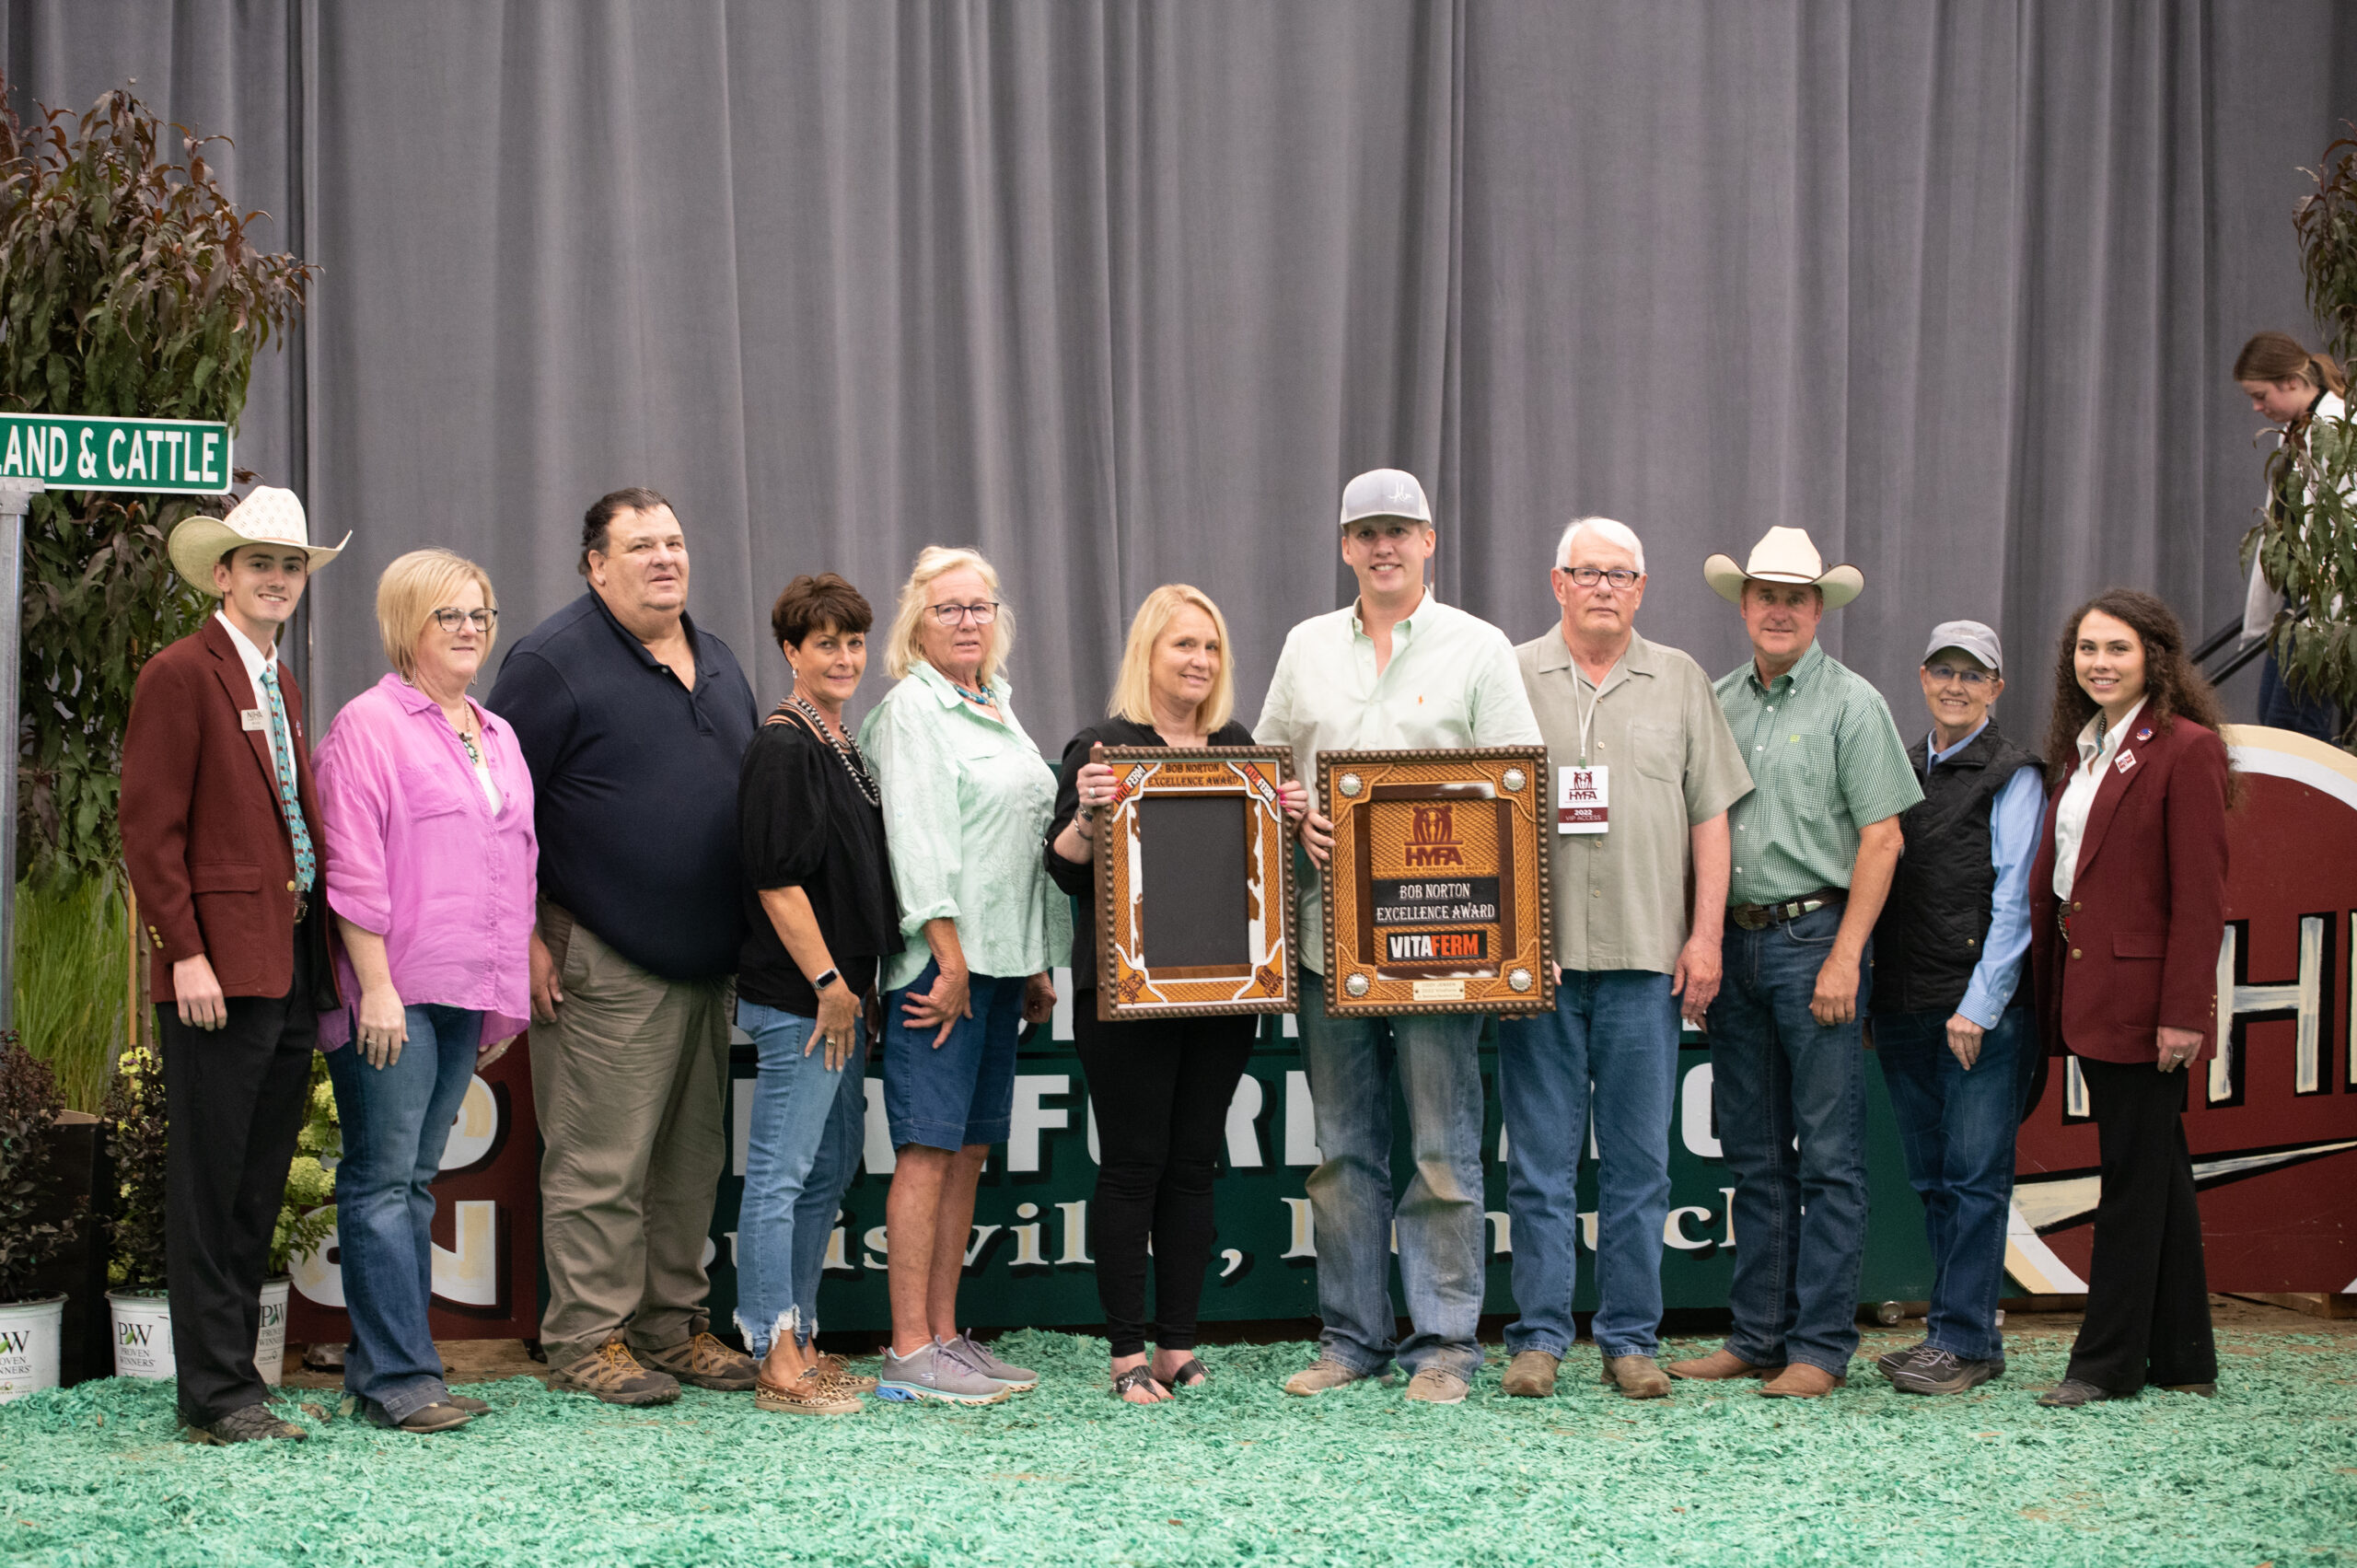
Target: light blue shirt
[2013,822]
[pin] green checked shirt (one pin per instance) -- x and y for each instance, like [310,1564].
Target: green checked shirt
[1824,760]
[967,800]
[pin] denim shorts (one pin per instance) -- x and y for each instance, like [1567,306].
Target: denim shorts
[964,1092]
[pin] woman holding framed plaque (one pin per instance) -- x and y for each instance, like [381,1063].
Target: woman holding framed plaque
[1160,1087]
[965,797]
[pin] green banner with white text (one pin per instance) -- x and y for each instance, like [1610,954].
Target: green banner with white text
[73,452]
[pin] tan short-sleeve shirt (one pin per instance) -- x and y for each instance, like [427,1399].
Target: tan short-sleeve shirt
[1657,725]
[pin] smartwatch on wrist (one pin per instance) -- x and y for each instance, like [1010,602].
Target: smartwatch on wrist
[820,983]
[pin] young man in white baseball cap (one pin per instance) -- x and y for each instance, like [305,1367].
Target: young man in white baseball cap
[1953,1029]
[221,834]
[1394,668]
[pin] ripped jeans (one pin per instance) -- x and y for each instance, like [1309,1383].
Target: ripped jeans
[794,1100]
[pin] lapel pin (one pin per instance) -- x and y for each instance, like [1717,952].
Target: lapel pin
[2144,734]
[2127,760]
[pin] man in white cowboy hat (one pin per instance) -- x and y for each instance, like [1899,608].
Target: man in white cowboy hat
[220,831]
[1815,846]
[1396,668]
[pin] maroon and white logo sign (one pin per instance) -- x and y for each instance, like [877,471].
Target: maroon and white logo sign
[2272,1119]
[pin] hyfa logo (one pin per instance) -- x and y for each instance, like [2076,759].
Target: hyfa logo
[1433,838]
[1582,789]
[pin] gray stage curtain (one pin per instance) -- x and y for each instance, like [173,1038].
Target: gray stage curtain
[1122,292]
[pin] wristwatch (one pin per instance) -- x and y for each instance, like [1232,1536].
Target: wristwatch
[820,983]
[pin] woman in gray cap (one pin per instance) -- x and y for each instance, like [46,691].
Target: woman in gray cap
[1953,1029]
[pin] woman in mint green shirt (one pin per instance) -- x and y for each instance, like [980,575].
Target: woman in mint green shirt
[967,800]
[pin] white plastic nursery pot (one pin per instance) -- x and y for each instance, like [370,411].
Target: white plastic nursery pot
[270,1345]
[30,1332]
[142,1333]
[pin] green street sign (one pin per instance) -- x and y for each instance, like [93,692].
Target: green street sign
[73,452]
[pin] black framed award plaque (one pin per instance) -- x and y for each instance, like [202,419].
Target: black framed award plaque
[1194,884]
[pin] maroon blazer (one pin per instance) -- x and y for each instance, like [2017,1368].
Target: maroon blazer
[2147,904]
[207,848]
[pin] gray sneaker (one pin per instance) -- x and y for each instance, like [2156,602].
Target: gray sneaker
[1942,1371]
[937,1372]
[1891,1362]
[974,1353]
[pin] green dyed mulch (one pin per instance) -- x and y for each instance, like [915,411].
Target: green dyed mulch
[1236,1473]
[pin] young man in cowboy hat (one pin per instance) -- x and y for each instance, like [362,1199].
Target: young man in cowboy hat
[1394,668]
[220,831]
[1814,845]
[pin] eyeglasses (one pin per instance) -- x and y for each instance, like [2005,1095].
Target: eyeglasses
[1971,679]
[981,614]
[1621,577]
[451,620]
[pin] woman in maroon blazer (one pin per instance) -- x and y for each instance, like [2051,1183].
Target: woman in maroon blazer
[2128,906]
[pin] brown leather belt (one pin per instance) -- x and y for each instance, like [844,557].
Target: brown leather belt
[1760,917]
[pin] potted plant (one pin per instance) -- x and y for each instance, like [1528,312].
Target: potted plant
[2307,541]
[136,1141]
[36,1221]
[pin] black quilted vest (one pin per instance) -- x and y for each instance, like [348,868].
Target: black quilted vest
[1929,937]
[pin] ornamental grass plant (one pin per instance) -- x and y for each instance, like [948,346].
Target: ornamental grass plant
[73,947]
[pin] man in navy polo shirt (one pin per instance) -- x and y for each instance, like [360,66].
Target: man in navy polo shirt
[634,723]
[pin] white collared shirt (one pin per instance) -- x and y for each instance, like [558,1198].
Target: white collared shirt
[2096,747]
[256,661]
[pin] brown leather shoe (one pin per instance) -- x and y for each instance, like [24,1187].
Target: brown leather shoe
[1637,1376]
[1718,1366]
[1530,1374]
[611,1373]
[1801,1381]
[705,1361]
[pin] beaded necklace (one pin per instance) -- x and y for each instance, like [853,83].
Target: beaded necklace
[845,748]
[979,699]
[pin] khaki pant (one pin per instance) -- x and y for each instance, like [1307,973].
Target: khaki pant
[629,1084]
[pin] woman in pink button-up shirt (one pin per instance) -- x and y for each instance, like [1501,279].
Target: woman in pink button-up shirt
[432,876]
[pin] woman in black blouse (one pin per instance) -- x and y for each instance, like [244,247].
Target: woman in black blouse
[820,912]
[1160,1088]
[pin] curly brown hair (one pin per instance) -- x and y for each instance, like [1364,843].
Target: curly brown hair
[2173,688]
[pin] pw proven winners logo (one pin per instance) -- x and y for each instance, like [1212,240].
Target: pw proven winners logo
[1433,838]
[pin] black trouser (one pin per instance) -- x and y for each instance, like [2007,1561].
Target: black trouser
[1161,1090]
[235,1098]
[2148,1298]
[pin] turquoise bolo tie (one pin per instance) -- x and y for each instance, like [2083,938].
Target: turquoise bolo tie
[290,805]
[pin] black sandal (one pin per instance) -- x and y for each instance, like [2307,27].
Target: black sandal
[1124,1383]
[1188,1368]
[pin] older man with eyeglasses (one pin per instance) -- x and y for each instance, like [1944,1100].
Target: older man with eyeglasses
[1645,768]
[1952,1022]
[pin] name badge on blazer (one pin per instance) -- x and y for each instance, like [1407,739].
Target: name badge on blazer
[2126,760]
[251,718]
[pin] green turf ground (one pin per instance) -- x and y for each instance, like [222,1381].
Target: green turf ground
[1236,1473]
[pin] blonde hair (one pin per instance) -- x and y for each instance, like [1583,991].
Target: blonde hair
[411,589]
[1133,688]
[902,649]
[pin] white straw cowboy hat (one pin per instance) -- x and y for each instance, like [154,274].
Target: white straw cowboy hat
[1785,555]
[269,516]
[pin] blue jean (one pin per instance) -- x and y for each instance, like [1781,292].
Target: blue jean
[822,1190]
[1776,1075]
[396,1120]
[1613,1035]
[1350,1063]
[962,1091]
[2302,712]
[1957,1129]
[795,1096]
